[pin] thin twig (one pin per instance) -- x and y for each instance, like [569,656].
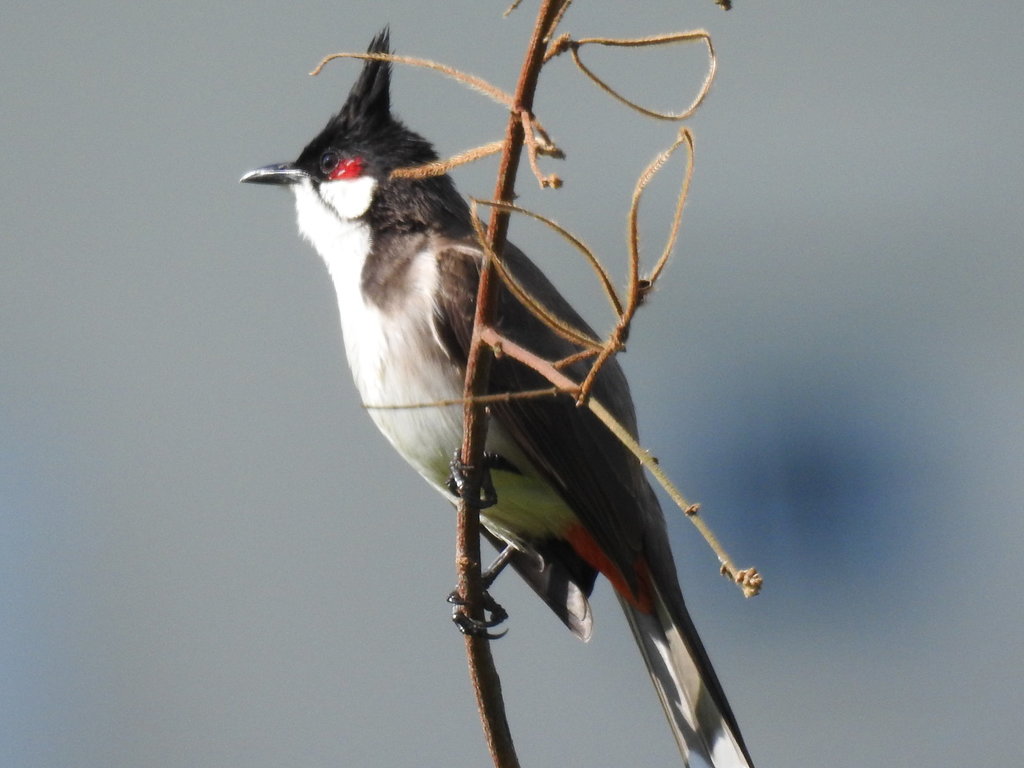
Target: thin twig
[602,273]
[567,43]
[441,167]
[685,137]
[748,579]
[497,397]
[472,81]
[638,287]
[535,145]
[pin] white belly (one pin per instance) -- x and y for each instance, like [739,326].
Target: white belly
[403,395]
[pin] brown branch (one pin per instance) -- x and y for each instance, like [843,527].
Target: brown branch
[483,674]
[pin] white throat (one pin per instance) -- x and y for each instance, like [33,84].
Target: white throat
[329,220]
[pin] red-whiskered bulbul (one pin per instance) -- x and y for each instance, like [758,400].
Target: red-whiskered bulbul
[570,499]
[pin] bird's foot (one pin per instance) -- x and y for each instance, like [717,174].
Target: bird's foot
[457,480]
[476,627]
[472,627]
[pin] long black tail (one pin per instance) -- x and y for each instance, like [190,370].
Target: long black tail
[685,683]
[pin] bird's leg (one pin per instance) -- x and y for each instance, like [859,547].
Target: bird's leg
[504,558]
[457,480]
[488,498]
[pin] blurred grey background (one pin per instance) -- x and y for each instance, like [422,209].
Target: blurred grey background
[208,557]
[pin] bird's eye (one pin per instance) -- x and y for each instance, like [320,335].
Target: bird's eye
[328,162]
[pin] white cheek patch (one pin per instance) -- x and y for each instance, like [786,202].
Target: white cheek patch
[351,198]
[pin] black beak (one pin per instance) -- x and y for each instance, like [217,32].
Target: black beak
[280,173]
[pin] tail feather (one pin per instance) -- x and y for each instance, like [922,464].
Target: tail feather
[687,687]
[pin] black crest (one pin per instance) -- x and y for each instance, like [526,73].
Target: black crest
[368,107]
[364,125]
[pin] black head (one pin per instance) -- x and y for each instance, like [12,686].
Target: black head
[365,139]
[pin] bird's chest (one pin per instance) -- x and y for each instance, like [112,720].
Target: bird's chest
[407,383]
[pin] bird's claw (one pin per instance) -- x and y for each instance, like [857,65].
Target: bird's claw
[456,482]
[467,625]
